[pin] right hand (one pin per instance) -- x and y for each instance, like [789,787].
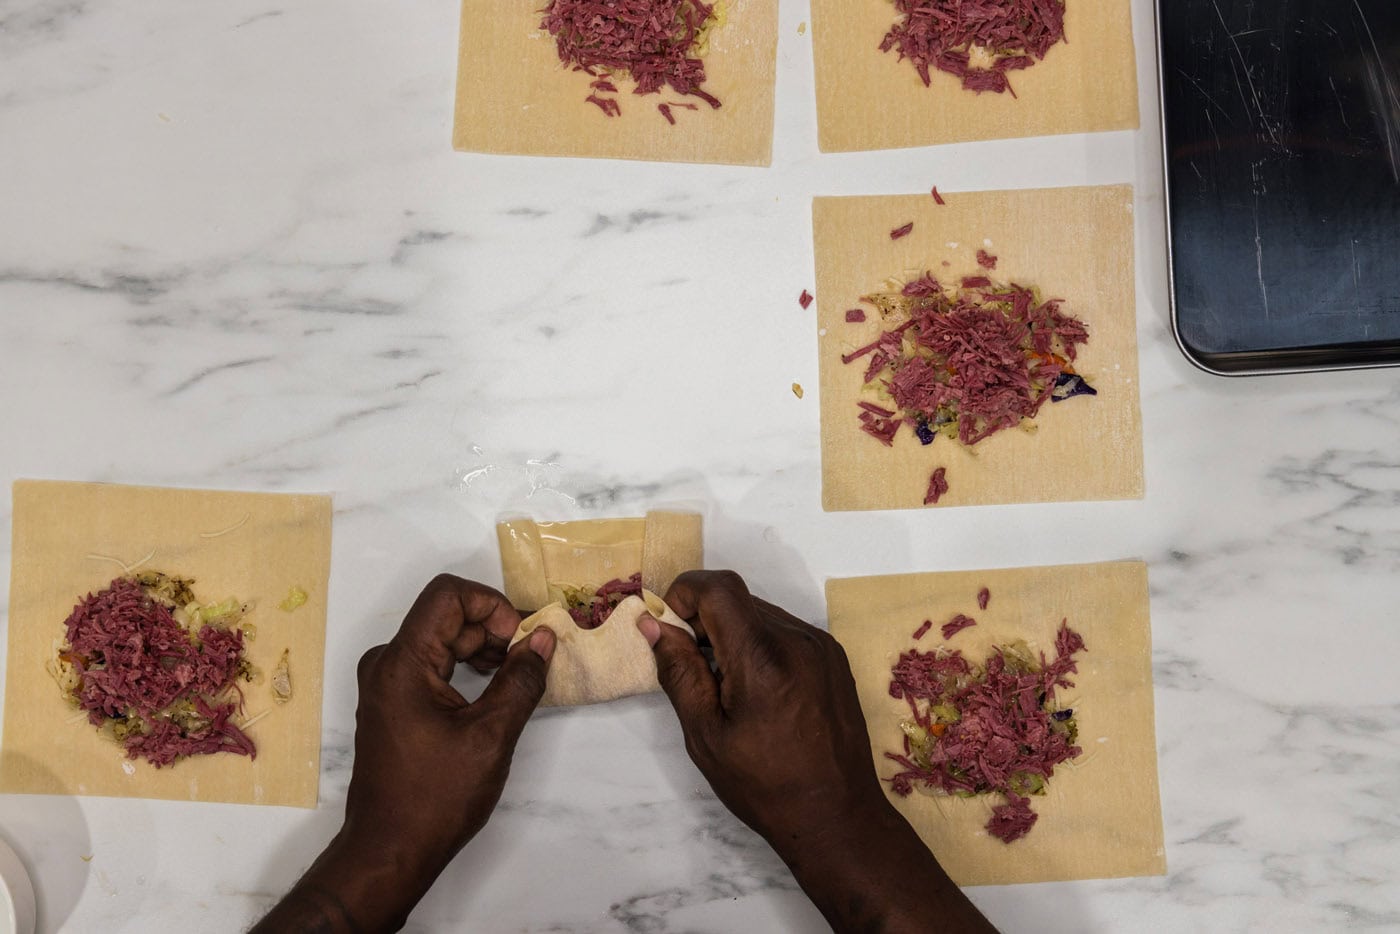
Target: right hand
[778,732]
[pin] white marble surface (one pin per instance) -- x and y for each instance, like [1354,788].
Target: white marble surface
[245,218]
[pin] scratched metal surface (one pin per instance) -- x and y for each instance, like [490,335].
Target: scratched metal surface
[1283,162]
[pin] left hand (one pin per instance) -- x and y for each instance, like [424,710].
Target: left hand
[429,765]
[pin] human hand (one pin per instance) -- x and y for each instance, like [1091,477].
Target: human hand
[779,733]
[429,766]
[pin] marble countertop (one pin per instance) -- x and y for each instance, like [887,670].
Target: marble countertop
[246,218]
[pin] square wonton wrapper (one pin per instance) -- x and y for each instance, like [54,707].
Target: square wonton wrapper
[252,546]
[868,99]
[1073,243]
[515,97]
[591,552]
[1101,815]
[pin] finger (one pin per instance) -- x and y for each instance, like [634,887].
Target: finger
[718,605]
[683,673]
[517,686]
[719,601]
[456,620]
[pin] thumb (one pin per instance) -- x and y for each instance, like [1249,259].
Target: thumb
[683,672]
[517,686]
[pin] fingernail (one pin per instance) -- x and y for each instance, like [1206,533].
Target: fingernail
[650,628]
[542,643]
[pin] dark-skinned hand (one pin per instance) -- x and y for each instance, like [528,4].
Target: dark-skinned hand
[777,730]
[429,766]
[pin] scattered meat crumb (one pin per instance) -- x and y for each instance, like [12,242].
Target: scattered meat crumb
[1011,822]
[927,625]
[986,260]
[607,105]
[937,486]
[855,315]
[984,596]
[937,198]
[805,299]
[957,624]
[903,231]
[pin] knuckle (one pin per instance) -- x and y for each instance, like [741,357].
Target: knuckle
[525,679]
[726,579]
[440,595]
[442,581]
[367,663]
[532,680]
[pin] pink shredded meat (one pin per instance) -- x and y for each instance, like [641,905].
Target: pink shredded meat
[133,657]
[986,260]
[956,625]
[607,105]
[923,628]
[855,316]
[939,34]
[605,599]
[652,40]
[937,198]
[1010,822]
[805,299]
[902,231]
[1008,736]
[984,596]
[937,486]
[985,357]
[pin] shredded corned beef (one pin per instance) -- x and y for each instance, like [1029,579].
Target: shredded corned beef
[607,105]
[984,596]
[970,363]
[956,625]
[923,628]
[986,260]
[1012,821]
[590,610]
[855,315]
[937,486]
[654,41]
[937,198]
[805,299]
[994,728]
[902,231]
[942,34]
[166,689]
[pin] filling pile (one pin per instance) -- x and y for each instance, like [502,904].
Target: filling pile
[590,608]
[966,363]
[155,669]
[658,43]
[978,41]
[994,728]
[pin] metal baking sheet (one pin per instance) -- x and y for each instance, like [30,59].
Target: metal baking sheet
[1281,125]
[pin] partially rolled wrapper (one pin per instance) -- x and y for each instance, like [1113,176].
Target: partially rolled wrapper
[595,665]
